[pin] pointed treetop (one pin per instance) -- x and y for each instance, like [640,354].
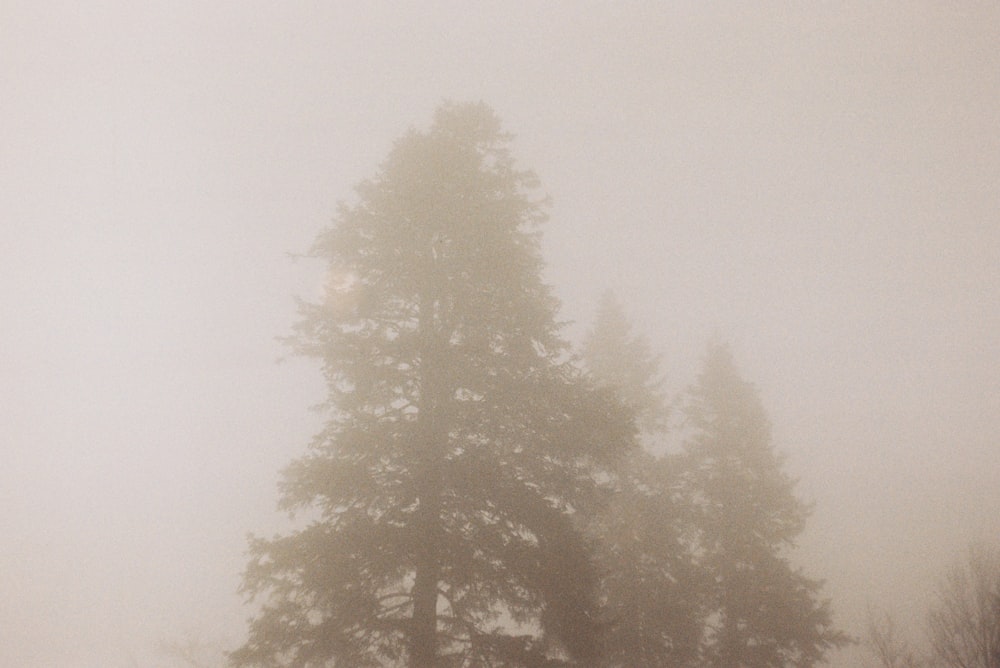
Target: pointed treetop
[619,359]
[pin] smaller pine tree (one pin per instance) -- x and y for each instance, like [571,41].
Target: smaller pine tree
[762,612]
[621,360]
[651,589]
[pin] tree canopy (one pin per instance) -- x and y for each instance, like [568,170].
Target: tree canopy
[622,360]
[461,443]
[477,497]
[762,612]
[651,590]
[964,622]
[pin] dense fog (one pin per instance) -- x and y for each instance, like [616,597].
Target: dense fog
[813,186]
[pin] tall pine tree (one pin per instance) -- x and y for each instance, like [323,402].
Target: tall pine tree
[762,612]
[461,444]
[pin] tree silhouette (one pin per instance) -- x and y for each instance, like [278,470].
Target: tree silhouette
[651,590]
[762,611]
[888,646]
[461,444]
[622,360]
[964,623]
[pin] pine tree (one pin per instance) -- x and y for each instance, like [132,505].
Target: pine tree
[762,611]
[619,359]
[651,591]
[461,445]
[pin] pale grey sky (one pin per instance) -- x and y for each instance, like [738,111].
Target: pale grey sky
[818,183]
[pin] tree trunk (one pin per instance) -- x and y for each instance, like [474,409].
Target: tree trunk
[423,629]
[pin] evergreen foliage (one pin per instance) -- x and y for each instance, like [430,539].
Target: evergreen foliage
[651,591]
[462,445]
[477,499]
[762,612]
[619,359]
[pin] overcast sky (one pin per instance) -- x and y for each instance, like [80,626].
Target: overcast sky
[816,183]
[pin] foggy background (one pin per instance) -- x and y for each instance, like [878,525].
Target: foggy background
[818,184]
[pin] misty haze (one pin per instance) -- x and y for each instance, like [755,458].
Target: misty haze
[594,334]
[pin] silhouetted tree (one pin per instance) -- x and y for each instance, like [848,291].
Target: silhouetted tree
[651,592]
[461,444]
[622,360]
[890,649]
[762,611]
[964,623]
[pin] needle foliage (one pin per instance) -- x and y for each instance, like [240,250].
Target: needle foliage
[462,445]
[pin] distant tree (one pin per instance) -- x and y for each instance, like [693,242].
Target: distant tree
[886,644]
[964,623]
[622,360]
[762,611]
[192,651]
[651,592]
[462,445]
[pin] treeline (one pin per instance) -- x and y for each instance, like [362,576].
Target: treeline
[484,495]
